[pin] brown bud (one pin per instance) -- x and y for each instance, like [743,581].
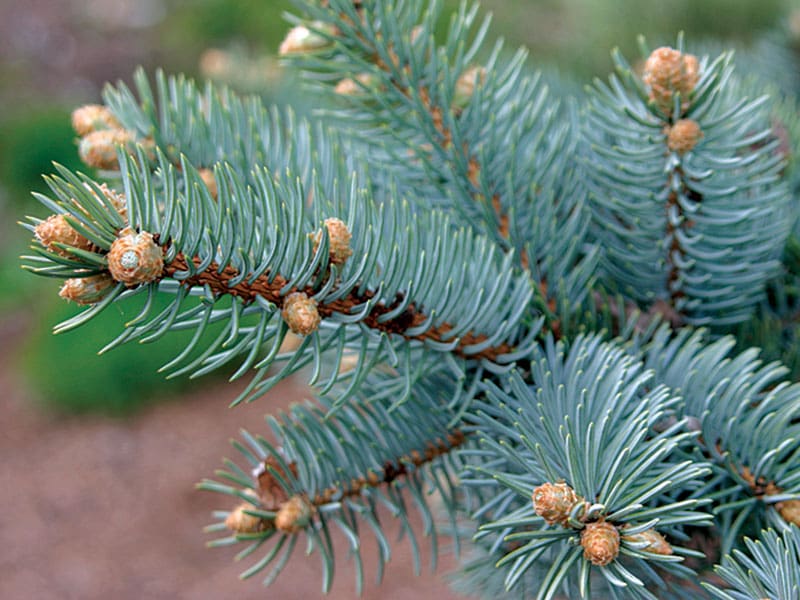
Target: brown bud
[339,238]
[355,87]
[135,258]
[668,72]
[93,117]
[207,175]
[651,541]
[301,39]
[600,541]
[99,148]
[215,63]
[790,511]
[300,313]
[239,521]
[86,290]
[55,229]
[683,136]
[554,501]
[466,84]
[294,514]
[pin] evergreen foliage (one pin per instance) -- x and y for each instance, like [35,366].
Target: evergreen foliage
[492,290]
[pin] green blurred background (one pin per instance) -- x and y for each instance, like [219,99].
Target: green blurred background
[56,55]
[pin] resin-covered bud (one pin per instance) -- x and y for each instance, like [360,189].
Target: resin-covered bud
[600,541]
[135,258]
[56,229]
[87,290]
[667,72]
[99,148]
[294,514]
[300,313]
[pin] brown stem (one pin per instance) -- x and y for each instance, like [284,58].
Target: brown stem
[270,291]
[273,496]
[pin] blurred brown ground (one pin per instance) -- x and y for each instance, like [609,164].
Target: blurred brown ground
[97,508]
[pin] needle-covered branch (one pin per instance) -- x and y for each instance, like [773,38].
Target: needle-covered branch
[688,198]
[341,473]
[346,273]
[488,141]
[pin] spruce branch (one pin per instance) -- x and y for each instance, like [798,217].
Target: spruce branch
[770,568]
[684,171]
[488,142]
[749,424]
[336,472]
[581,477]
[395,298]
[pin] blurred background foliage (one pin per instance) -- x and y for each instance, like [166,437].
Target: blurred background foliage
[56,54]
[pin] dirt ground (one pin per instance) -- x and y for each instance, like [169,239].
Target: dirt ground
[96,508]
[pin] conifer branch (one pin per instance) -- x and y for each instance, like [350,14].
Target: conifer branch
[335,471]
[269,287]
[704,161]
[508,173]
[283,271]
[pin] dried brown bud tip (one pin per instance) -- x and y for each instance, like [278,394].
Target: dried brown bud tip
[239,521]
[270,492]
[207,175]
[93,117]
[300,313]
[86,290]
[55,229]
[466,84]
[600,543]
[135,258]
[683,136]
[554,501]
[668,72]
[339,238]
[649,540]
[301,39]
[790,511]
[294,515]
[99,148]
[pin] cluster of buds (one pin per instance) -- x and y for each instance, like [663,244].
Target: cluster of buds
[300,313]
[668,72]
[135,258]
[101,134]
[339,238]
[302,40]
[600,541]
[56,230]
[87,290]
[294,514]
[554,502]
